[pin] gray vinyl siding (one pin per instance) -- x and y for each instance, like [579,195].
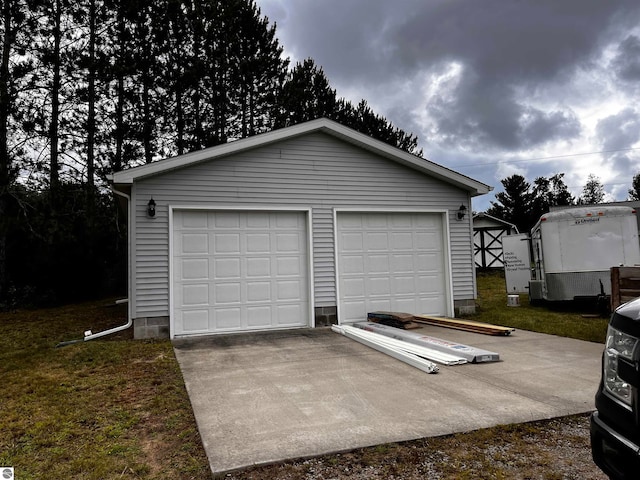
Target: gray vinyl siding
[314,171]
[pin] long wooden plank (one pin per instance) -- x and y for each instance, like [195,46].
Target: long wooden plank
[466,325]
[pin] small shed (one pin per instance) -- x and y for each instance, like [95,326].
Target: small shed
[304,226]
[487,240]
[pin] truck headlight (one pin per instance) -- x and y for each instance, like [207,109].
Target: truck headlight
[618,344]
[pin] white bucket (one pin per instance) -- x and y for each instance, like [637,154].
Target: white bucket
[513,300]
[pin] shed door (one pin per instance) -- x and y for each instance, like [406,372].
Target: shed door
[239,270]
[391,262]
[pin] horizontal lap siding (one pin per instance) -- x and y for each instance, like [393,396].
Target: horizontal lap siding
[315,171]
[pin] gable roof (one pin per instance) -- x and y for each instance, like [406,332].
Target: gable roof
[324,125]
[494,220]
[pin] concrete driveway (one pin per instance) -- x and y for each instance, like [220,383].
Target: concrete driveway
[267,397]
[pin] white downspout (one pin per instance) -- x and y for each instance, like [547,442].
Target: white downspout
[92,336]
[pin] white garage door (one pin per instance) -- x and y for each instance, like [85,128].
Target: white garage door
[391,262]
[239,270]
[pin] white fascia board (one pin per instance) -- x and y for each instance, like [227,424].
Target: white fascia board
[323,125]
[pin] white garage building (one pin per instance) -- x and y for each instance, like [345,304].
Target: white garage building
[299,227]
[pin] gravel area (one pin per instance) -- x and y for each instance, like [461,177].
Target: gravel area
[551,449]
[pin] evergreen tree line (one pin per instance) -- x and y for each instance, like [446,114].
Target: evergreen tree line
[91,87]
[522,203]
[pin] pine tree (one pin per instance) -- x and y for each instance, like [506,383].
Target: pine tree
[16,24]
[593,191]
[515,203]
[549,192]
[306,95]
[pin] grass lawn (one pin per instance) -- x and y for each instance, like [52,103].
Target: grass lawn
[117,408]
[104,409]
[492,308]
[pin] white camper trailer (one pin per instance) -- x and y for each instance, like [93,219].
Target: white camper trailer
[574,250]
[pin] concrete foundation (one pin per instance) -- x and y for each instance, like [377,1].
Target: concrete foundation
[326,316]
[151,327]
[464,307]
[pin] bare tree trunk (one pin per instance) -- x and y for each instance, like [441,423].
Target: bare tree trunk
[117,163]
[91,115]
[5,160]
[54,166]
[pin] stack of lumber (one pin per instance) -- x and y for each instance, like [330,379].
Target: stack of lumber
[466,325]
[393,319]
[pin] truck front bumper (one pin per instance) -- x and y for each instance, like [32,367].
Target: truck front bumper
[615,454]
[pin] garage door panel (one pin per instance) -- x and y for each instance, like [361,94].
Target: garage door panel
[352,264]
[432,283]
[400,222]
[196,320]
[258,291]
[258,267]
[290,220]
[401,260]
[405,304]
[257,220]
[195,243]
[404,285]
[195,294]
[353,287]
[426,262]
[377,263]
[401,241]
[377,241]
[289,290]
[225,268]
[224,219]
[379,286]
[287,266]
[226,319]
[228,292]
[427,240]
[288,314]
[226,243]
[252,274]
[194,219]
[194,269]
[258,243]
[288,242]
[354,308]
[377,304]
[433,222]
[402,263]
[259,316]
[352,242]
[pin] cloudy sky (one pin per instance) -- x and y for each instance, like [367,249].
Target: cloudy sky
[491,88]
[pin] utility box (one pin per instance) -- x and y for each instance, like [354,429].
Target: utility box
[574,250]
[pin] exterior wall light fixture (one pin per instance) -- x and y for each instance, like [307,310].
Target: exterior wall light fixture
[151,208]
[462,211]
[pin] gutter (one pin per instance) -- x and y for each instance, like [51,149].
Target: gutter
[88,335]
